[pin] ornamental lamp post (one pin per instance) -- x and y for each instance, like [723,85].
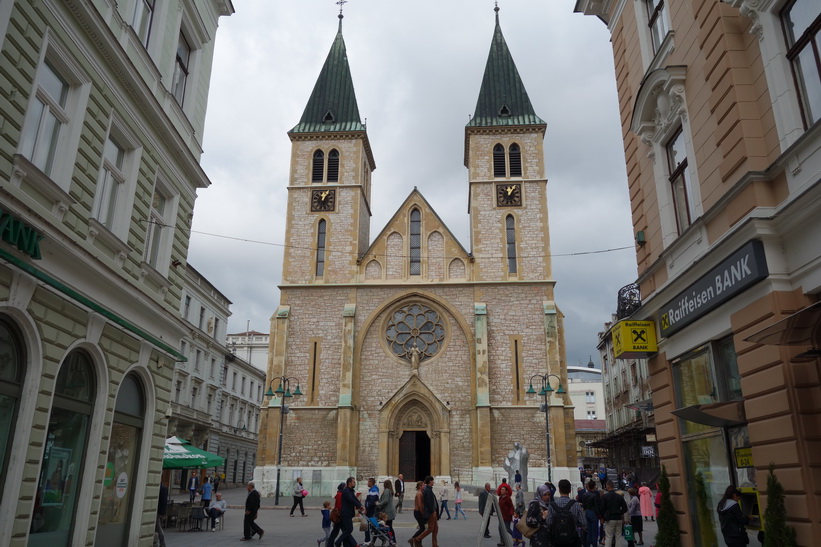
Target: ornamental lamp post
[283,392]
[546,391]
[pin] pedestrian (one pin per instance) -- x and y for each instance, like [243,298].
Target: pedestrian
[646,497]
[591,501]
[603,477]
[503,484]
[444,494]
[614,509]
[565,518]
[216,483]
[350,506]
[252,503]
[457,493]
[299,494]
[215,511]
[162,509]
[399,491]
[326,524]
[506,511]
[732,519]
[430,512]
[634,510]
[658,499]
[371,500]
[338,508]
[536,516]
[484,497]
[193,486]
[386,505]
[517,479]
[520,500]
[206,492]
[517,535]
[418,511]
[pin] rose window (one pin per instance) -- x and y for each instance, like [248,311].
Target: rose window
[415,325]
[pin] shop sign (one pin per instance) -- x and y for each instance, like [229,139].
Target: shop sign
[739,271]
[15,232]
[634,339]
[648,452]
[744,457]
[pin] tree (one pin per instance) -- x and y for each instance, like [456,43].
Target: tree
[669,534]
[776,531]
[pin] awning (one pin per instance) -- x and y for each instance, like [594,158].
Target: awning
[802,328]
[645,405]
[714,415]
[179,454]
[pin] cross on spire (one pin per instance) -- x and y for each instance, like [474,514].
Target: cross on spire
[341,4]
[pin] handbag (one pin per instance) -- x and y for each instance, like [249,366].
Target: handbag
[526,530]
[334,516]
[363,524]
[628,532]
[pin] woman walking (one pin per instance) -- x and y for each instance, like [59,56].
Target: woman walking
[537,515]
[646,497]
[387,506]
[299,493]
[458,501]
[444,494]
[418,511]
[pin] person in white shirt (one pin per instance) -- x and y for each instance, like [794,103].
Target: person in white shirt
[216,510]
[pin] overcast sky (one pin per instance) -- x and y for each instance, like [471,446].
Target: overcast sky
[417,68]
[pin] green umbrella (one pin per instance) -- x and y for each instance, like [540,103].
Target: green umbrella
[178,454]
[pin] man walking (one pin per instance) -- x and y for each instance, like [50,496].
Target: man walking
[484,497]
[591,500]
[565,518]
[399,490]
[350,505]
[431,514]
[193,485]
[252,503]
[613,511]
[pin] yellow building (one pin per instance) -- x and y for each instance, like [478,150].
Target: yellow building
[414,353]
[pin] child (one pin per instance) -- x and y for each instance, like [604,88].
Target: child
[326,524]
[517,535]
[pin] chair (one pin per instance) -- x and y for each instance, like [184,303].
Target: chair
[172,514]
[183,516]
[197,515]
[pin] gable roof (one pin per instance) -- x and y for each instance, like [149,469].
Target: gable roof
[332,106]
[426,208]
[503,100]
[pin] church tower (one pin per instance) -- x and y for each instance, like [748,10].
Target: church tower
[504,153]
[329,191]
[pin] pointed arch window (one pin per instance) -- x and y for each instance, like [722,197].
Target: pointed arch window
[515,157]
[333,165]
[499,170]
[510,229]
[318,170]
[320,248]
[415,242]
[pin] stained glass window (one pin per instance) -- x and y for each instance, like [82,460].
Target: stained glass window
[417,325]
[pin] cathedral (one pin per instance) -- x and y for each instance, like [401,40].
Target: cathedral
[411,353]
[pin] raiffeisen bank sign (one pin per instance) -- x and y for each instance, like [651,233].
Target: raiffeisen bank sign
[739,271]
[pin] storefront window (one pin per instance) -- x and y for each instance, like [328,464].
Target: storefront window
[708,475]
[12,368]
[66,440]
[123,455]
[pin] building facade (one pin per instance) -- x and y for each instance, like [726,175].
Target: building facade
[216,395]
[720,103]
[252,346]
[103,107]
[413,353]
[586,391]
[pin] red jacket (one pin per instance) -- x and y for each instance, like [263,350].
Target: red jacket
[506,508]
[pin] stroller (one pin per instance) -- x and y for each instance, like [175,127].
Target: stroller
[379,532]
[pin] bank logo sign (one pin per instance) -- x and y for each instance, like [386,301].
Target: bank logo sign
[634,339]
[739,271]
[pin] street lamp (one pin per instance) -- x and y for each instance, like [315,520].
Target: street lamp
[283,392]
[546,392]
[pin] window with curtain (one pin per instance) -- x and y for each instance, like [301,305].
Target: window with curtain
[12,372]
[499,169]
[415,242]
[801,20]
[320,248]
[333,165]
[119,485]
[515,158]
[510,229]
[61,469]
[318,170]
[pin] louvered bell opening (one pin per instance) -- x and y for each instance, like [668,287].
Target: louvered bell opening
[504,112]
[510,228]
[515,156]
[328,117]
[499,161]
[416,243]
[318,167]
[333,165]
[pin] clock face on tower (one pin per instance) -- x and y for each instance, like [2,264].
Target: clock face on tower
[508,195]
[323,200]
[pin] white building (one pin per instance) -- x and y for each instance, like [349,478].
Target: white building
[252,346]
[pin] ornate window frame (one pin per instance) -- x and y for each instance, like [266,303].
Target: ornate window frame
[443,321]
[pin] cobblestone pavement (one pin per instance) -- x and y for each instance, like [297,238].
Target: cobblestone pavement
[282,530]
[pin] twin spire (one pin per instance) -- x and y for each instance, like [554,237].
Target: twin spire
[503,100]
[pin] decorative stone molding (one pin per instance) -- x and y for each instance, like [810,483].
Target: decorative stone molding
[660,105]
[25,171]
[751,9]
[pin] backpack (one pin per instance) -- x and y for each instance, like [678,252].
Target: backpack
[563,525]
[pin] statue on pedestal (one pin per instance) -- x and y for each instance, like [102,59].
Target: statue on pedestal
[516,460]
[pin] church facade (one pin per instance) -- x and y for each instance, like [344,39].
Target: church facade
[413,354]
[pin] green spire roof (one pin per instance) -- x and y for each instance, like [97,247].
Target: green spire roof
[503,100]
[332,106]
